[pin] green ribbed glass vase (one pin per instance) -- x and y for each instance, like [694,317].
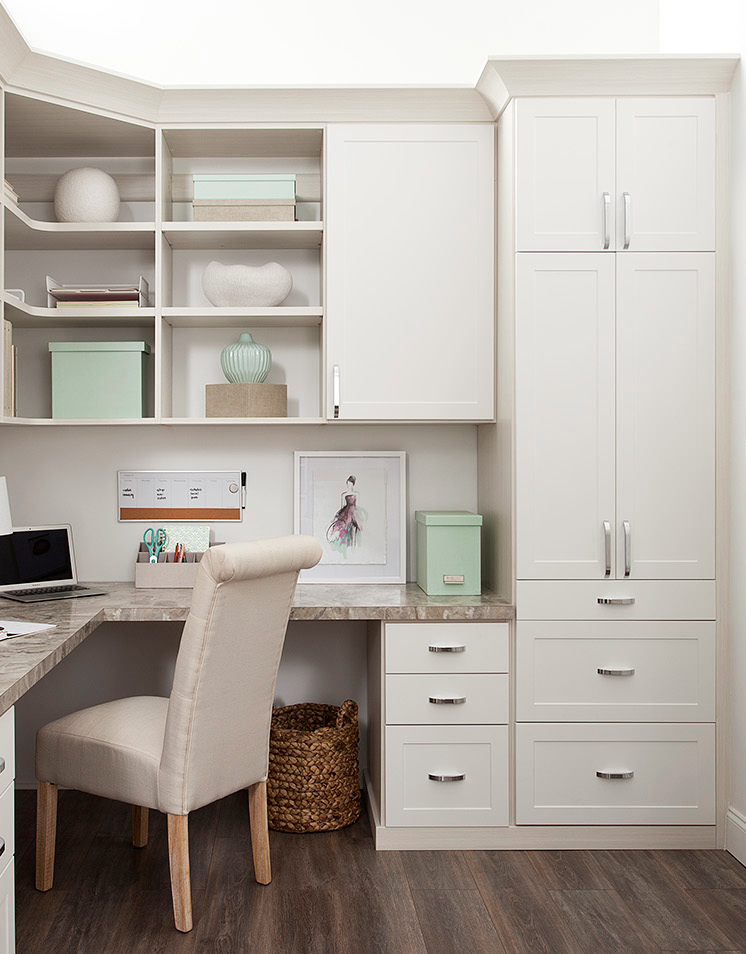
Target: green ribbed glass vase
[246,360]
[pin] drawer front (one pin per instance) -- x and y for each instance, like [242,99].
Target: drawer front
[7,750]
[672,780]
[447,699]
[579,599]
[474,757]
[446,647]
[7,906]
[7,824]
[650,671]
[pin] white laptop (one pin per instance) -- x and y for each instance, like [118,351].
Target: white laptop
[38,563]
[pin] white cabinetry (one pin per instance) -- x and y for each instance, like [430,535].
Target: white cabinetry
[7,833]
[616,174]
[410,272]
[442,701]
[615,416]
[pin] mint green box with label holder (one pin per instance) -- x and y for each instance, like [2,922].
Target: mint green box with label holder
[449,552]
[99,379]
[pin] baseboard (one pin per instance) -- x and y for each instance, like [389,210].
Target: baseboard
[735,834]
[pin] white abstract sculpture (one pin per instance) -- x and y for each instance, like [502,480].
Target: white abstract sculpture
[234,286]
[86,195]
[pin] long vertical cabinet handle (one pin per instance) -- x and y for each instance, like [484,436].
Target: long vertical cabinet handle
[335,389]
[627,548]
[607,547]
[626,200]
[607,208]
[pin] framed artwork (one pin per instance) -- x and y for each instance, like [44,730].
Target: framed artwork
[353,503]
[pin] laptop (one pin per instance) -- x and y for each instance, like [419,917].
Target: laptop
[38,563]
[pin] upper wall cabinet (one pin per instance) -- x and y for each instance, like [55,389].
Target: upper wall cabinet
[410,272]
[618,175]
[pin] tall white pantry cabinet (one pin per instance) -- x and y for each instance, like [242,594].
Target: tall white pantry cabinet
[614,340]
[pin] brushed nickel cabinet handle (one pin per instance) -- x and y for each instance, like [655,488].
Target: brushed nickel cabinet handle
[627,548]
[607,206]
[615,672]
[626,201]
[446,778]
[615,774]
[447,700]
[335,389]
[446,649]
[607,547]
[2,764]
[2,846]
[616,600]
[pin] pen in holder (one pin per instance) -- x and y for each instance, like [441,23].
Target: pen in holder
[166,572]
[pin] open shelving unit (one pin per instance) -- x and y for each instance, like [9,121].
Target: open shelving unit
[157,237]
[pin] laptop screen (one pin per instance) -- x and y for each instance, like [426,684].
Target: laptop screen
[36,555]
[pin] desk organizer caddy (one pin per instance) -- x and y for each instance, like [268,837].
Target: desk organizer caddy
[165,573]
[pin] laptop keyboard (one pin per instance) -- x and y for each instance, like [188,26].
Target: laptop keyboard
[70,588]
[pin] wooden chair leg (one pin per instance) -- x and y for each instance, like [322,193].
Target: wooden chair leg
[259,832]
[178,860]
[46,834]
[139,826]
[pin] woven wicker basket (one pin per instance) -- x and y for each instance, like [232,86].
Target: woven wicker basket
[313,782]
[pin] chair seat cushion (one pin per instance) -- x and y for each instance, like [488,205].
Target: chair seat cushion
[113,750]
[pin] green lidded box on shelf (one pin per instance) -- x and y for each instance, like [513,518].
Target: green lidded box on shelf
[98,379]
[448,552]
[244,186]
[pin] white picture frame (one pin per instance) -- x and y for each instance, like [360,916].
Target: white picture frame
[354,504]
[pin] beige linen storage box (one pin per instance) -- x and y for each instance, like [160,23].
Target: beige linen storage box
[246,400]
[165,573]
[244,210]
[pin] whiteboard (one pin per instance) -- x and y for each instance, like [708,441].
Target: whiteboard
[181,494]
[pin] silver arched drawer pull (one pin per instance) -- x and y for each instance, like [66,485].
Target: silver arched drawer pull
[615,672]
[447,700]
[616,600]
[446,649]
[2,764]
[446,778]
[2,846]
[615,774]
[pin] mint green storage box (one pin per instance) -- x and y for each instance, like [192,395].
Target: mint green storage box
[448,552]
[98,379]
[236,185]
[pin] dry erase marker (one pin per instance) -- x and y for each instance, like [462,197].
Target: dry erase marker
[243,490]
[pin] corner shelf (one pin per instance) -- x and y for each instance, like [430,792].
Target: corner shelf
[23,315]
[25,233]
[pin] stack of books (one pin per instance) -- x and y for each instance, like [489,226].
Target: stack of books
[239,197]
[97,296]
[10,192]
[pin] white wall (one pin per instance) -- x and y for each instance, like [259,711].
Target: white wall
[689,26]
[328,41]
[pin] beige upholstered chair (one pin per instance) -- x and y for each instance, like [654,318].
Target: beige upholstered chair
[210,737]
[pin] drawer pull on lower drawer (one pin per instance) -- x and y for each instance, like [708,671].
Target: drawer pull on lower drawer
[2,846]
[446,649]
[616,600]
[615,672]
[615,774]
[2,764]
[447,700]
[446,778]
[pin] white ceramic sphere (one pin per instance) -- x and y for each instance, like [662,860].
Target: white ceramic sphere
[236,286]
[86,195]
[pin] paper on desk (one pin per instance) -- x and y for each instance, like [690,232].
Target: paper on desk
[10,628]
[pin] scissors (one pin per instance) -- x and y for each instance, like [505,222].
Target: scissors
[155,541]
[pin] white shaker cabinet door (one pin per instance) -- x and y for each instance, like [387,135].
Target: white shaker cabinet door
[410,272]
[565,175]
[565,416]
[666,416]
[666,174]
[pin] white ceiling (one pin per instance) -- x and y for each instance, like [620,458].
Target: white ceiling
[326,42]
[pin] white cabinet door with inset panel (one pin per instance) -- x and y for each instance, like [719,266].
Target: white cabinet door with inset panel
[666,415]
[584,671]
[410,272]
[665,174]
[565,416]
[565,175]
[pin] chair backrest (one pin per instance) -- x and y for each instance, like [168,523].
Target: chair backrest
[220,708]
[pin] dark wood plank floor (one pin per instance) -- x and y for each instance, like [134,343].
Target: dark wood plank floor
[334,894]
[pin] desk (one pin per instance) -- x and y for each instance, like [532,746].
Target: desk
[23,661]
